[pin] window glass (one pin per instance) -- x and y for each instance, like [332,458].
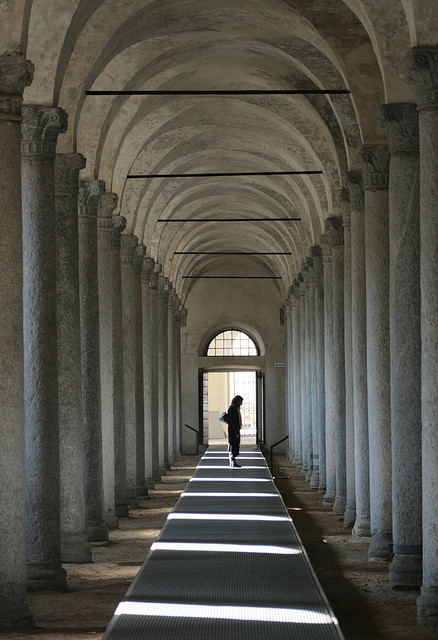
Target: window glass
[232,343]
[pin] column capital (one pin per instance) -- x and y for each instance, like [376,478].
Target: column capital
[90,193]
[175,303]
[183,316]
[128,245]
[346,211]
[310,269]
[163,288]
[67,167]
[147,269]
[354,183]
[335,231]
[16,73]
[153,283]
[401,122]
[139,255]
[326,248]
[374,162]
[40,129]
[316,253]
[119,225]
[301,285]
[422,63]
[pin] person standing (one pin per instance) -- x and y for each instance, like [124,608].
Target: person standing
[234,425]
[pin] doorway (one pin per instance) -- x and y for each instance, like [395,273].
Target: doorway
[218,389]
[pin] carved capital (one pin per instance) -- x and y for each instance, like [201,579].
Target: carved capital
[40,129]
[147,270]
[326,248]
[310,269]
[163,288]
[90,193]
[301,285]
[67,167]
[335,230]
[374,162]
[128,245]
[119,225]
[183,316]
[154,276]
[16,73]
[316,253]
[139,254]
[401,122]
[422,63]
[353,180]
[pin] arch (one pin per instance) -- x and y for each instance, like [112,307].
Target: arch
[226,340]
[216,330]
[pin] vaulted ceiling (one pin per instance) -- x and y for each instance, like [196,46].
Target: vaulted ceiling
[219,45]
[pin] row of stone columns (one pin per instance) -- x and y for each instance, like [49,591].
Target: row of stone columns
[86,409]
[379,388]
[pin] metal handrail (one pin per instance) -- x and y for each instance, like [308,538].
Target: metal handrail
[272,452]
[198,439]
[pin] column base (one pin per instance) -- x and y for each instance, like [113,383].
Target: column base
[339,505]
[131,494]
[75,548]
[46,576]
[349,517]
[97,531]
[379,548]
[142,491]
[122,510]
[309,475]
[314,480]
[111,520]
[362,527]
[14,611]
[329,498]
[406,570]
[427,605]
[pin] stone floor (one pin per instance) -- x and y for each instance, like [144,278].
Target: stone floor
[358,591]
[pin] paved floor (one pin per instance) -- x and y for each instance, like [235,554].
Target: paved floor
[227,564]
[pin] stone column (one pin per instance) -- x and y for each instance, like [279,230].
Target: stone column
[330,439]
[121,499]
[288,377]
[336,239]
[170,377]
[157,468]
[401,122]
[150,442]
[74,544]
[304,442]
[375,171]
[423,62]
[350,510]
[15,74]
[319,364]
[40,130]
[141,489]
[107,205]
[90,192]
[128,247]
[314,479]
[163,387]
[359,356]
[178,414]
[296,345]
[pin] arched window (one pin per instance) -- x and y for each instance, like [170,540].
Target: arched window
[232,343]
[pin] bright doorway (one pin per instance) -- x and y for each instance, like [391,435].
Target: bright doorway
[219,388]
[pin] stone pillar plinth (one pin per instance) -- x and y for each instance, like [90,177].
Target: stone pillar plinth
[163,347]
[141,489]
[105,223]
[401,121]
[319,364]
[374,163]
[15,74]
[90,193]
[359,356]
[336,238]
[304,442]
[423,63]
[150,442]
[128,247]
[74,544]
[121,499]
[330,437]
[296,346]
[40,130]
[350,509]
[157,468]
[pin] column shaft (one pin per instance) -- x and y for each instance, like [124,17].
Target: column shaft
[139,383]
[319,364]
[15,74]
[153,367]
[304,454]
[74,544]
[163,345]
[296,343]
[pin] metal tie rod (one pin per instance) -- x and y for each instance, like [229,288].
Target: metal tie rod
[229,220]
[151,176]
[232,253]
[233,277]
[237,92]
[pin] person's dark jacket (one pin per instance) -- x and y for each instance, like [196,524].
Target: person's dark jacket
[233,421]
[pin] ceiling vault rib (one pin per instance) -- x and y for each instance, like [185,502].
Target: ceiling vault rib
[230,220]
[244,92]
[222,175]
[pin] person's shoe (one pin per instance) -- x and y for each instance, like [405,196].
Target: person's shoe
[234,464]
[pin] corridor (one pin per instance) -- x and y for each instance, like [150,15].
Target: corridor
[227,564]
